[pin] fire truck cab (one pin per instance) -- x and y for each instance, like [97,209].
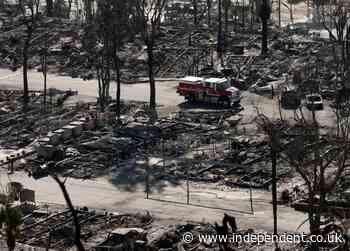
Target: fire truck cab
[212,90]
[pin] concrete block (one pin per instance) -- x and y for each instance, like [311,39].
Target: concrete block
[77,128]
[68,132]
[45,151]
[54,138]
[44,140]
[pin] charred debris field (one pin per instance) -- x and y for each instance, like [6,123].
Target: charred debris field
[174,125]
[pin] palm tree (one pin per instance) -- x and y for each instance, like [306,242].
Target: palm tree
[10,220]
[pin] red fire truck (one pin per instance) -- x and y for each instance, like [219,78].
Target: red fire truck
[212,90]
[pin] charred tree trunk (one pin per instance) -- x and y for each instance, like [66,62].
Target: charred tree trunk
[45,78]
[150,27]
[76,222]
[69,8]
[195,12]
[117,71]
[264,32]
[226,11]
[209,6]
[314,220]
[243,14]
[100,92]
[219,45]
[49,8]
[274,189]
[25,75]
[88,10]
[264,14]
[152,101]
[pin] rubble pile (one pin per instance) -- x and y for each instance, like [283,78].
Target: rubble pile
[179,51]
[239,161]
[32,138]
[209,117]
[67,56]
[19,128]
[196,145]
[83,142]
[101,230]
[44,228]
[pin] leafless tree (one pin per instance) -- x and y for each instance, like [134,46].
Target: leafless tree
[220,43]
[103,66]
[77,238]
[88,10]
[334,16]
[264,12]
[320,160]
[121,28]
[62,8]
[149,14]
[226,5]
[102,60]
[195,12]
[31,15]
[97,44]
[44,57]
[290,5]
[49,8]
[273,130]
[209,9]
[113,27]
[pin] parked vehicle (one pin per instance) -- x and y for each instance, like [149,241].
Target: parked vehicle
[211,90]
[261,87]
[290,99]
[314,102]
[328,93]
[298,28]
[239,84]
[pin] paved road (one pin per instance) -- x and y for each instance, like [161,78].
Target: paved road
[88,91]
[103,194]
[166,95]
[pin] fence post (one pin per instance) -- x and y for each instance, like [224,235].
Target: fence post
[147,178]
[147,170]
[251,196]
[163,154]
[188,187]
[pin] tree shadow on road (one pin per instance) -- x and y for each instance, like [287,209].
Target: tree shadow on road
[135,174]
